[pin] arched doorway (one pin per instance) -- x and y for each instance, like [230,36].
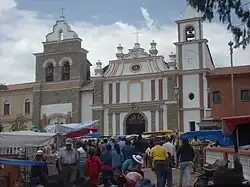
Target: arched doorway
[135,124]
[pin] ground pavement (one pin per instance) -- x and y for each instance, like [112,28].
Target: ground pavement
[148,173]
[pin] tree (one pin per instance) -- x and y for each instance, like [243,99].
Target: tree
[3,87]
[19,123]
[227,10]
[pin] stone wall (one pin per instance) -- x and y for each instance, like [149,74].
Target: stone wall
[172,116]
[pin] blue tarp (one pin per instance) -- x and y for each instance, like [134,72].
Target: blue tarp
[213,135]
[21,162]
[92,135]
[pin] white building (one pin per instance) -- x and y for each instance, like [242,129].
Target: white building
[137,91]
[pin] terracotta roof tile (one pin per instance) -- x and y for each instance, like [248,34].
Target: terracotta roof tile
[22,86]
[227,70]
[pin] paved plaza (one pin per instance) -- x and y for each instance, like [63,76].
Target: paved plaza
[151,175]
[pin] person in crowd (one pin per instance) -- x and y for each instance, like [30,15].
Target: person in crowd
[39,174]
[118,178]
[145,182]
[140,147]
[93,166]
[117,157]
[122,142]
[68,163]
[228,177]
[104,144]
[196,143]
[106,156]
[83,158]
[148,157]
[161,165]
[106,168]
[171,151]
[132,165]
[185,157]
[132,179]
[128,150]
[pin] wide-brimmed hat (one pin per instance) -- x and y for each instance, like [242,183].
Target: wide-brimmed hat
[138,159]
[39,152]
[69,141]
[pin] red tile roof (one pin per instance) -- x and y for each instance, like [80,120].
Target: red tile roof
[228,70]
[22,86]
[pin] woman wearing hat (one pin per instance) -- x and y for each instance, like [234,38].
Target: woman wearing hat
[39,174]
[134,164]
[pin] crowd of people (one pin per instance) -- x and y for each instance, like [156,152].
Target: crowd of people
[119,162]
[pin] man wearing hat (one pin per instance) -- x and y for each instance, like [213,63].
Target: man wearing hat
[68,162]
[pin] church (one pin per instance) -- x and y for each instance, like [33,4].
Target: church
[138,91]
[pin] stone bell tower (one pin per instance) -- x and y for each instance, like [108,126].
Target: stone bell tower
[61,69]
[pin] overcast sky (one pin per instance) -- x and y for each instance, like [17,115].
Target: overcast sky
[102,25]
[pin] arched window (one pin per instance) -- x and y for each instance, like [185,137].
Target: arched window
[190,33]
[66,71]
[27,106]
[50,73]
[6,108]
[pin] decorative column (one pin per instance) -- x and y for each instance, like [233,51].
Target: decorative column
[153,120]
[117,123]
[110,123]
[160,112]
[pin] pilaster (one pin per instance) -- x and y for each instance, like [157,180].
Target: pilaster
[110,123]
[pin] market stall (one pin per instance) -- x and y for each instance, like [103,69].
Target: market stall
[25,142]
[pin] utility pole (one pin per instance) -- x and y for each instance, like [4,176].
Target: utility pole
[232,77]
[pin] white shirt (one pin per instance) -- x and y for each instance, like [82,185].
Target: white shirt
[171,149]
[148,151]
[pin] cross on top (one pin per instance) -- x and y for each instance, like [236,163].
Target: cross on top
[62,12]
[137,35]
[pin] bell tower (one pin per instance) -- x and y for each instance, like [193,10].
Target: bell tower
[62,68]
[194,60]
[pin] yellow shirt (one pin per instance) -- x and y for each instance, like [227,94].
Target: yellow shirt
[159,153]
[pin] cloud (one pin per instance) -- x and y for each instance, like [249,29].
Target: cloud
[22,31]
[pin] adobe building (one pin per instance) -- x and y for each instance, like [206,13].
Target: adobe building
[220,91]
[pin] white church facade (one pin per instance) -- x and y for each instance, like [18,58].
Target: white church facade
[140,91]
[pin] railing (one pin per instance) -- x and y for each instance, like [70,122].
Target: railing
[16,151]
[225,153]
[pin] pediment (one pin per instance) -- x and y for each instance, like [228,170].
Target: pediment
[136,53]
[145,65]
[61,26]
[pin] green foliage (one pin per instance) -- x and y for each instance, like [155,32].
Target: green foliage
[3,87]
[226,10]
[19,123]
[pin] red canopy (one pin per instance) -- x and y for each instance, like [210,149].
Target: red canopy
[229,123]
[81,132]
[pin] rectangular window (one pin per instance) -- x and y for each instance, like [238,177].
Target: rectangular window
[152,90]
[117,92]
[93,96]
[217,97]
[245,95]
[27,107]
[192,125]
[208,100]
[6,109]
[110,93]
[160,89]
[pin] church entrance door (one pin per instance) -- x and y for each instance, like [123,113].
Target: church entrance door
[135,124]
